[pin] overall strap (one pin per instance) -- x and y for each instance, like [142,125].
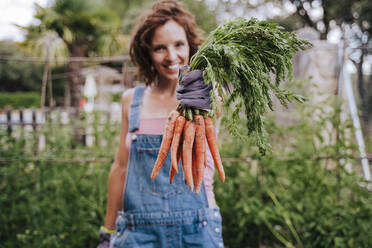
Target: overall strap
[134,116]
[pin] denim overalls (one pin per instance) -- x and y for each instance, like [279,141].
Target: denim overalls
[156,213]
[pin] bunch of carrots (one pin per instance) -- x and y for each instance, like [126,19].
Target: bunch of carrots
[185,135]
[238,59]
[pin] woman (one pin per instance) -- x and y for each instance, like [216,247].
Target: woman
[156,213]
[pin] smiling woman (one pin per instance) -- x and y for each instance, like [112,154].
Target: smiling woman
[142,41]
[151,209]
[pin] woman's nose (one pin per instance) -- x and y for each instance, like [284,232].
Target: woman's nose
[172,54]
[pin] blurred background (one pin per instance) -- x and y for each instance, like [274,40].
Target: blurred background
[64,66]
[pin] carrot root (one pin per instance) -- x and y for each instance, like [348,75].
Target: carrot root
[194,167]
[188,140]
[200,155]
[178,128]
[171,174]
[172,170]
[211,136]
[166,143]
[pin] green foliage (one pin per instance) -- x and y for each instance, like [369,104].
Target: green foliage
[86,27]
[205,18]
[238,58]
[295,196]
[16,75]
[133,13]
[75,28]
[19,100]
[47,200]
[25,76]
[116,97]
[289,23]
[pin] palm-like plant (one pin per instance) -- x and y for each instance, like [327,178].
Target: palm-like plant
[86,28]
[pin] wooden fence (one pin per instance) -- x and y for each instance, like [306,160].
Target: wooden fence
[32,120]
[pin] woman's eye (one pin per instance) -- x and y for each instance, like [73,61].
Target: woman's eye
[158,48]
[180,44]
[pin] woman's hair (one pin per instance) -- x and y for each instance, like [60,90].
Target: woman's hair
[161,12]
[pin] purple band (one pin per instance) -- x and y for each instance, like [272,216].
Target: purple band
[194,92]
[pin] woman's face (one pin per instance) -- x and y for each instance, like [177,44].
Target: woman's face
[169,50]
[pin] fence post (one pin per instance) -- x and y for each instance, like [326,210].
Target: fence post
[48,123]
[34,119]
[21,122]
[9,120]
[21,117]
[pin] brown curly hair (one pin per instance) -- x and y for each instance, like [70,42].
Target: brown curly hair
[161,12]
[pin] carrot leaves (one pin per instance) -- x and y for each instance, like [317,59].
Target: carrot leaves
[246,61]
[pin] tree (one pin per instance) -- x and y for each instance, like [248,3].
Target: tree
[15,75]
[227,9]
[86,27]
[206,18]
[353,16]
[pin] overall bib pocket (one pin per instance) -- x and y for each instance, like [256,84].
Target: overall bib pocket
[159,186]
[141,236]
[121,232]
[206,234]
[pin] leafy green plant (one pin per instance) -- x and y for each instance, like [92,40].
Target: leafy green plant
[19,100]
[55,197]
[116,97]
[301,194]
[239,58]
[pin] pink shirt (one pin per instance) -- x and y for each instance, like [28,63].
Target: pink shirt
[156,126]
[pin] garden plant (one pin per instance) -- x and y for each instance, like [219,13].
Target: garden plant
[299,195]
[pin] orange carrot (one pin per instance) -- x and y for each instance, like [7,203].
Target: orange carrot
[188,141]
[171,174]
[180,123]
[194,167]
[181,156]
[205,156]
[210,133]
[166,143]
[172,170]
[200,155]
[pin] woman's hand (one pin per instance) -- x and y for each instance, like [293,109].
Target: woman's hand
[104,239]
[193,91]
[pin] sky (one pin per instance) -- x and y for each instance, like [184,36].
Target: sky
[16,12]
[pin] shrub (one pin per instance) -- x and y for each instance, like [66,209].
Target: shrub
[20,100]
[47,199]
[299,195]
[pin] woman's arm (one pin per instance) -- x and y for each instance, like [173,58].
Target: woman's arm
[118,169]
